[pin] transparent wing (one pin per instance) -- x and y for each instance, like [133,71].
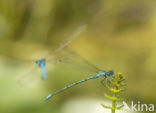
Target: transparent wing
[68,58]
[67,40]
[73,60]
[28,77]
[36,73]
[25,68]
[62,45]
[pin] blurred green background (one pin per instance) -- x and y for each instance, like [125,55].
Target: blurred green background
[120,36]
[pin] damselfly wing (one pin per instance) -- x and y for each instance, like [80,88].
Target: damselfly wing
[41,63]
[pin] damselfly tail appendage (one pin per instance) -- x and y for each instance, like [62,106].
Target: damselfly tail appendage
[41,64]
[43,73]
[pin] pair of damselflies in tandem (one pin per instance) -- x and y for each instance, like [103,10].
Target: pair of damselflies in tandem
[63,47]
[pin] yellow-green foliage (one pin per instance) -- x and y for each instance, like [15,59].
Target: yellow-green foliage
[115,86]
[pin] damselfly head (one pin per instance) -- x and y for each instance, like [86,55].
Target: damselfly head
[104,73]
[110,73]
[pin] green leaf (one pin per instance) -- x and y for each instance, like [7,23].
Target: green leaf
[107,107]
[110,97]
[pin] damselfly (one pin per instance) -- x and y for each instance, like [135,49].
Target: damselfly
[74,57]
[100,74]
[42,62]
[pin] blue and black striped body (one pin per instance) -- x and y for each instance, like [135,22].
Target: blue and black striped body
[41,64]
[101,73]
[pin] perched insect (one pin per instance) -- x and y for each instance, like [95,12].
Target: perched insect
[100,74]
[82,63]
[42,62]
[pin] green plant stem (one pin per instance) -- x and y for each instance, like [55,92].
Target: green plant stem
[115,100]
[114,103]
[115,88]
